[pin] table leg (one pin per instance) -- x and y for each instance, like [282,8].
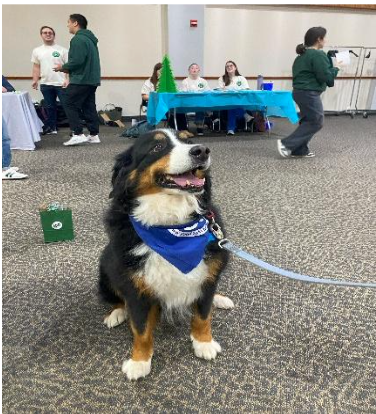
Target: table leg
[175,121]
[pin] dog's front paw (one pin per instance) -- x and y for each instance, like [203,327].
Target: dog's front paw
[222,302]
[136,369]
[115,318]
[206,350]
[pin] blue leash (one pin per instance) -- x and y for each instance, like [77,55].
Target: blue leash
[225,244]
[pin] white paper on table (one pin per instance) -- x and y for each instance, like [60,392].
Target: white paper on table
[343,58]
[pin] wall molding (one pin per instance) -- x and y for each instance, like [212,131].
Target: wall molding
[114,78]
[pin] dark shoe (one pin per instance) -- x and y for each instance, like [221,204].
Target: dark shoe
[309,155]
[48,131]
[200,132]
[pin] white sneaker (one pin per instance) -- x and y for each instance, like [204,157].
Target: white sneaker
[93,139]
[284,152]
[12,174]
[76,140]
[248,117]
[230,132]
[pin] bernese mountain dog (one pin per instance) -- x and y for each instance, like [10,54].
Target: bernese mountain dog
[161,254]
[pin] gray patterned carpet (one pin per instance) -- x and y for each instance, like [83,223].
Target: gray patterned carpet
[287,347]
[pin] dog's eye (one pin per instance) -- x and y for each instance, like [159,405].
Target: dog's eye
[158,147]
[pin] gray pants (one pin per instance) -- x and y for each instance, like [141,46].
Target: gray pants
[311,121]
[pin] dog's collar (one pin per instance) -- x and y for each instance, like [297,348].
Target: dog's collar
[182,245]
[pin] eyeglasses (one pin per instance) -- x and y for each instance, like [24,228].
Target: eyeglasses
[47,33]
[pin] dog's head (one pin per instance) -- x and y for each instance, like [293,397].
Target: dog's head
[160,163]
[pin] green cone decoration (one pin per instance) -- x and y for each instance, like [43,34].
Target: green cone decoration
[167,81]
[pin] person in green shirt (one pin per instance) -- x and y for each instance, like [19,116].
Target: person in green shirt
[84,71]
[312,72]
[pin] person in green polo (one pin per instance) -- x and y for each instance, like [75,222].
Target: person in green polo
[312,72]
[84,71]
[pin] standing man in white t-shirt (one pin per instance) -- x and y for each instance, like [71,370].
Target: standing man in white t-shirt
[44,59]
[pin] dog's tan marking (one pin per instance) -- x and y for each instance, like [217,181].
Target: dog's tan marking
[146,183]
[143,342]
[201,328]
[159,136]
[142,287]
[132,175]
[214,266]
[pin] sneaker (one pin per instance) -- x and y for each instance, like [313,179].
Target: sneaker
[284,152]
[48,131]
[93,139]
[309,155]
[76,140]
[200,132]
[230,132]
[248,117]
[12,174]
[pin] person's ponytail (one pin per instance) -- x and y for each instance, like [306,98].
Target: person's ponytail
[300,49]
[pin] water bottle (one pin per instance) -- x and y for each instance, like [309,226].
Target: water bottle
[260,81]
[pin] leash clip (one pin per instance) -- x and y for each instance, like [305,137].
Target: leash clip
[216,230]
[221,242]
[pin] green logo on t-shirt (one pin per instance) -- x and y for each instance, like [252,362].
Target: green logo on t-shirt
[200,85]
[239,83]
[55,54]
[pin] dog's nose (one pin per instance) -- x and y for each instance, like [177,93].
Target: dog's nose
[199,152]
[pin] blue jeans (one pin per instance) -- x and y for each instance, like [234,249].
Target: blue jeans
[232,115]
[7,155]
[50,93]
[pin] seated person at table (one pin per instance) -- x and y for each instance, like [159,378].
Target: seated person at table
[194,83]
[232,80]
[150,85]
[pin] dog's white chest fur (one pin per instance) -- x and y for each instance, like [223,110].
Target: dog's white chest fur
[172,287]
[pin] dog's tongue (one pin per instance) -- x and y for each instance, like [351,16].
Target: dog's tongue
[188,179]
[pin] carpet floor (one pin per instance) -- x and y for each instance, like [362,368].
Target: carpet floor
[287,347]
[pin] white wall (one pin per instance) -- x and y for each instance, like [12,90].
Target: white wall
[132,38]
[262,40]
[130,43]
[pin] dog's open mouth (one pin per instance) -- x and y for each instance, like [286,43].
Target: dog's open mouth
[188,181]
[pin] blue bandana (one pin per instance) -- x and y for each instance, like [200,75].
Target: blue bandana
[183,246]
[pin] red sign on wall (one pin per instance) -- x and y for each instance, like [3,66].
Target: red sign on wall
[193,23]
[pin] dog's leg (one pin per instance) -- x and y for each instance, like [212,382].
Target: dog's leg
[142,327]
[116,317]
[204,345]
[222,302]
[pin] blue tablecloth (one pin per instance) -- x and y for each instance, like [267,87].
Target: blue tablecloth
[275,103]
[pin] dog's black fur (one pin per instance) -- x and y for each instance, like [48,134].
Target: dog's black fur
[118,266]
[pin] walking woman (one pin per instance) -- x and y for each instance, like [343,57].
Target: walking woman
[312,72]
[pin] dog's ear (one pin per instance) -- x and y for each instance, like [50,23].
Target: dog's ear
[122,168]
[122,160]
